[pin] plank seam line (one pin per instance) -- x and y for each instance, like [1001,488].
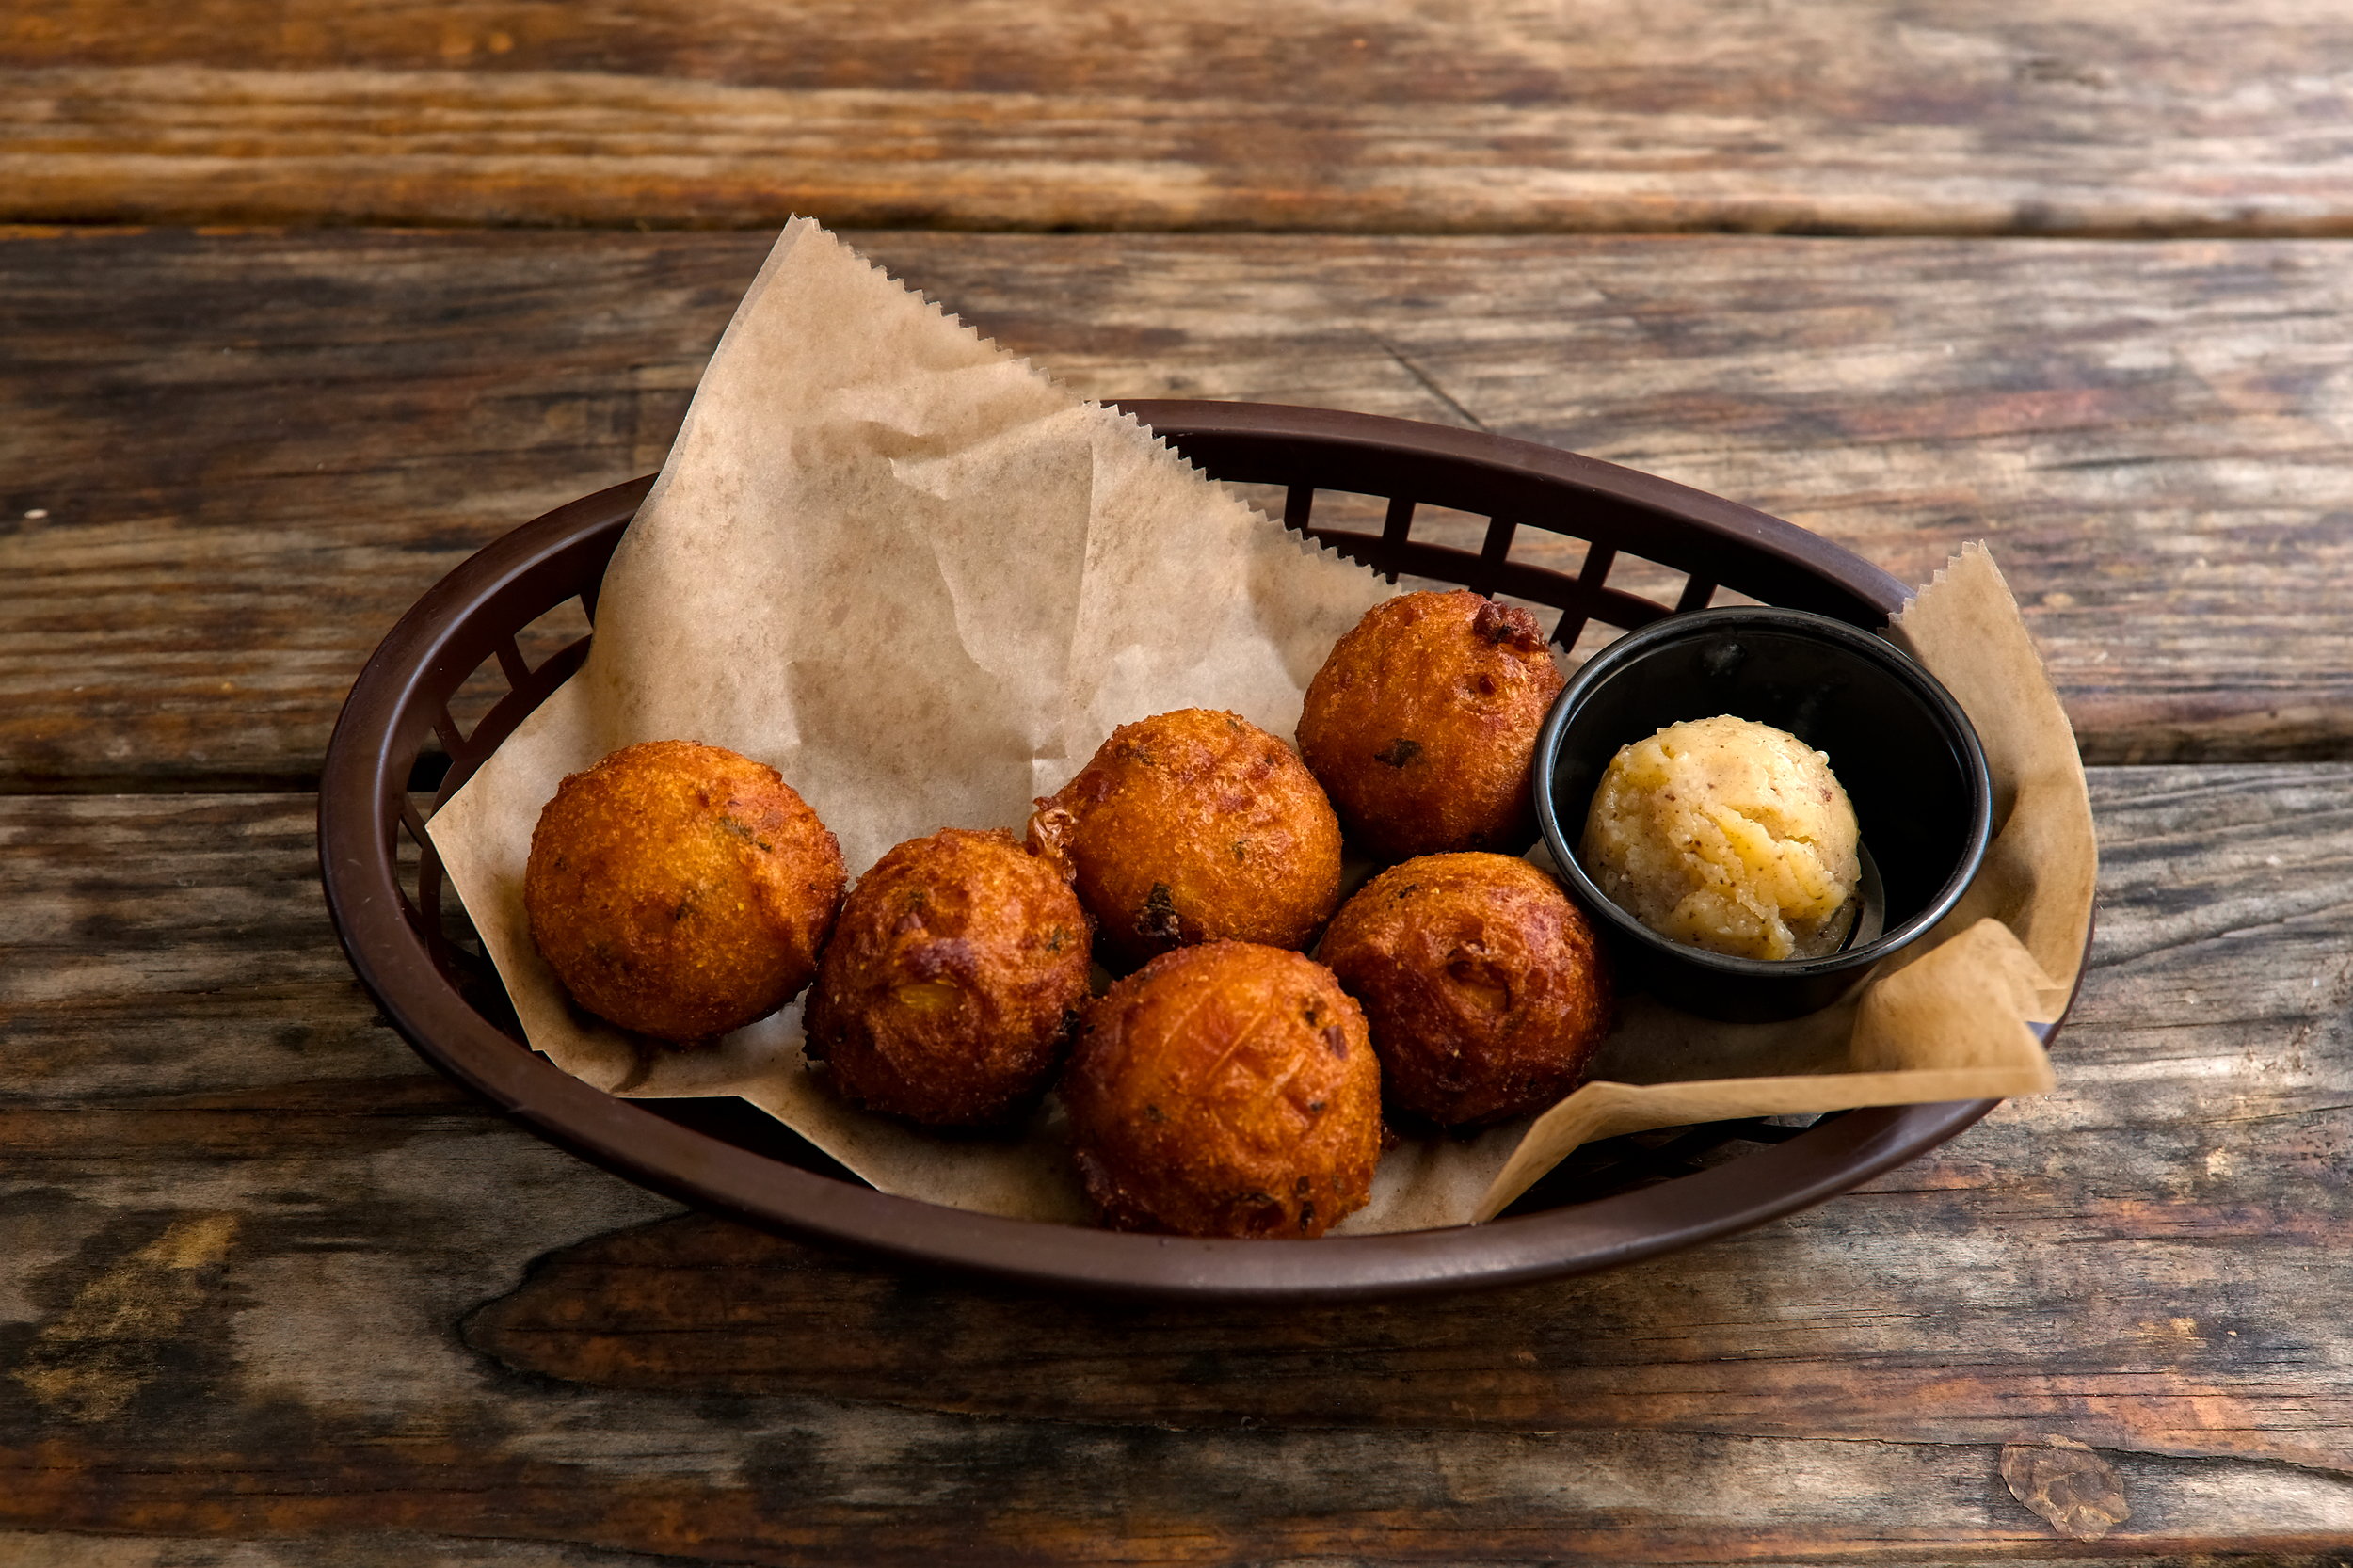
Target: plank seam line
[1429,383]
[2286,1116]
[30,225]
[2343,1473]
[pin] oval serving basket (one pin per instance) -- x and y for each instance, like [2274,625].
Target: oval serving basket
[1610,1204]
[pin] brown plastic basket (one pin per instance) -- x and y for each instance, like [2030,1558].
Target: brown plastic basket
[1610,1204]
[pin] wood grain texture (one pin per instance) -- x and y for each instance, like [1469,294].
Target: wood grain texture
[376,1549]
[428,1332]
[272,1296]
[1909,116]
[2128,1259]
[229,462]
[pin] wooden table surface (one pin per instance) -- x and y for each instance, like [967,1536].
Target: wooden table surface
[305,300]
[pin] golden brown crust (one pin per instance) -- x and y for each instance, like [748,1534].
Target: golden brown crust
[1225,1090]
[1422,723]
[952,980]
[679,889]
[1194,827]
[1484,986]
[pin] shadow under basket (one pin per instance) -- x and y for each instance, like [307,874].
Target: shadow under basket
[1593,548]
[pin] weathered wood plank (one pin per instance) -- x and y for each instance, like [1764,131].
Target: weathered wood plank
[214,973]
[329,1324]
[2079,116]
[229,462]
[59,1549]
[381,1549]
[2186,1163]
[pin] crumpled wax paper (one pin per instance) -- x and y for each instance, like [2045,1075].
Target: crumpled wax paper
[924,582]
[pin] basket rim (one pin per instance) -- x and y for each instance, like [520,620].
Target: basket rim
[363,785]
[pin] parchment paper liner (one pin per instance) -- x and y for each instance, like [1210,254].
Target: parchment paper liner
[921,580]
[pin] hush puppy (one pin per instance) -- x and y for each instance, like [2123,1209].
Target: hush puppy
[1422,723]
[952,981]
[1193,827]
[680,890]
[1484,987]
[1225,1090]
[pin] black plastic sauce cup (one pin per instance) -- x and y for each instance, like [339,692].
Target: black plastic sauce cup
[1906,753]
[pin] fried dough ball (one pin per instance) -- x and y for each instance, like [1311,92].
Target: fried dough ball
[1486,990]
[1729,835]
[1422,724]
[952,980]
[1225,1090]
[680,890]
[1193,827]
